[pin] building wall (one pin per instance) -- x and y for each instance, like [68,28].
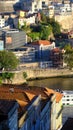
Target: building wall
[53,113]
[1,45]
[59,114]
[42,51]
[2,22]
[32,122]
[13,121]
[15,39]
[7,6]
[66,21]
[45,118]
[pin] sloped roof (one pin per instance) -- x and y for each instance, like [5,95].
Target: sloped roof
[26,94]
[56,50]
[43,42]
[58,95]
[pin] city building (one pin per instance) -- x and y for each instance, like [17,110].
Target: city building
[13,38]
[38,108]
[56,56]
[2,21]
[1,45]
[35,6]
[28,20]
[25,54]
[43,48]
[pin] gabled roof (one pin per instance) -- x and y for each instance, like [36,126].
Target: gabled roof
[58,95]
[25,94]
[43,42]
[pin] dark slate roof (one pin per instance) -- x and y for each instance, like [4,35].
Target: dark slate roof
[68,124]
[6,106]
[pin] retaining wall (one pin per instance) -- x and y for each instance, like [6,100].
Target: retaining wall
[40,73]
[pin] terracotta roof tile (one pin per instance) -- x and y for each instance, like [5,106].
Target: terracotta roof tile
[27,95]
[43,42]
[56,50]
[37,91]
[30,95]
[22,103]
[58,95]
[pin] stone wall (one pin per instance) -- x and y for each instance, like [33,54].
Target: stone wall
[66,21]
[40,73]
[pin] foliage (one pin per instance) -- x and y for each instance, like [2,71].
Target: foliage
[43,17]
[68,48]
[7,76]
[68,56]
[24,75]
[26,28]
[8,60]
[55,26]
[45,31]
[18,26]
[0,80]
[41,32]
[45,28]
[34,35]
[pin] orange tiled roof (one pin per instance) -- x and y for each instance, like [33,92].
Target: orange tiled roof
[16,94]
[22,103]
[37,91]
[58,95]
[30,95]
[43,42]
[56,50]
[27,95]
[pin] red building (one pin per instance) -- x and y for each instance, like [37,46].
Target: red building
[57,57]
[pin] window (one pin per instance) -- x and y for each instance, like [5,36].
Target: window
[67,99]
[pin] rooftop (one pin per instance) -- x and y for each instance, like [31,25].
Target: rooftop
[24,95]
[43,42]
[27,93]
[56,50]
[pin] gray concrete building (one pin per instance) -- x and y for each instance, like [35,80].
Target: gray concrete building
[13,38]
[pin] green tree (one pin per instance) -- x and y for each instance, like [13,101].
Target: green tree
[34,35]
[8,60]
[56,27]
[26,28]
[68,48]
[68,56]
[43,18]
[45,31]
[24,75]
[0,80]
[7,76]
